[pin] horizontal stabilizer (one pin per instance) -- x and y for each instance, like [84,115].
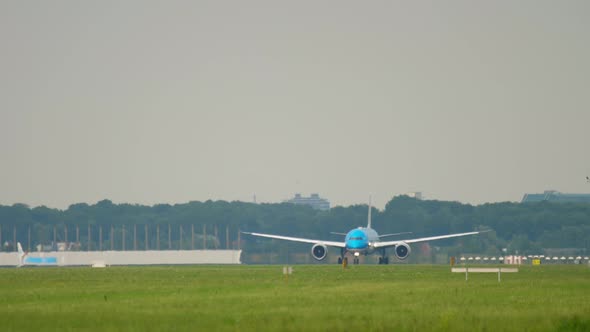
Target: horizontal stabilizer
[336,233]
[393,234]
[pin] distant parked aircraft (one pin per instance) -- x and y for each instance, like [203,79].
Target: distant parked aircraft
[362,241]
[25,259]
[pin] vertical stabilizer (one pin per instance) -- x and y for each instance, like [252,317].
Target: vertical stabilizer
[369,217]
[21,254]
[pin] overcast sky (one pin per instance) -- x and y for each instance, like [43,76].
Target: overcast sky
[172,101]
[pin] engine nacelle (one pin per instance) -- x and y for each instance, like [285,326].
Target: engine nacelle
[319,251]
[402,251]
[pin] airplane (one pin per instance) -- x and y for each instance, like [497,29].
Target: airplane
[362,241]
[24,259]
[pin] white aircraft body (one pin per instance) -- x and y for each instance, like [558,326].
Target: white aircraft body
[25,259]
[362,241]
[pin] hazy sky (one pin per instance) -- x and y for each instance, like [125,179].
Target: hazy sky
[172,101]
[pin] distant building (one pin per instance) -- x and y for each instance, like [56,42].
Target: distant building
[315,201]
[556,196]
[415,194]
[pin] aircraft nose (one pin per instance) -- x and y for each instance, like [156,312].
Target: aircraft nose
[357,244]
[356,239]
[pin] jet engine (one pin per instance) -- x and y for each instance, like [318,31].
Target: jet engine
[319,251]
[402,251]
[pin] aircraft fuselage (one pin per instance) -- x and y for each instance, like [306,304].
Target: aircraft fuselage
[360,240]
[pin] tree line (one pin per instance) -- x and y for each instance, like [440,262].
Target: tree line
[526,228]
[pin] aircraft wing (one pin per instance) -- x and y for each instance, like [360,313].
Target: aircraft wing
[298,239]
[422,239]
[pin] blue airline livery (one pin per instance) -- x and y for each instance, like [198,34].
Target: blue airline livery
[25,259]
[362,241]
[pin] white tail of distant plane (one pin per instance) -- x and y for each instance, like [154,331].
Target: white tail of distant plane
[21,254]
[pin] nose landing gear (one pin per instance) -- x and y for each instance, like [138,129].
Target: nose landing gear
[344,260]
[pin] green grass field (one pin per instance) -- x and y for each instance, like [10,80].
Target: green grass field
[316,298]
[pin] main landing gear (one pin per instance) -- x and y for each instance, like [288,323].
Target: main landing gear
[383,259]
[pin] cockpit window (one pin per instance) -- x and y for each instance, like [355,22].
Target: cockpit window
[356,238]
